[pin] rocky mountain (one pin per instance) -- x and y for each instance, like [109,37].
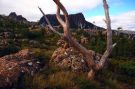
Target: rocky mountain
[16,17]
[75,20]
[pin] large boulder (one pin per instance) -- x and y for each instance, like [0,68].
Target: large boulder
[69,58]
[15,64]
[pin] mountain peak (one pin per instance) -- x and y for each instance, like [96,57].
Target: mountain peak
[16,17]
[12,14]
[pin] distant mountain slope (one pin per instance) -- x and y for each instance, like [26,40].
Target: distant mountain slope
[75,20]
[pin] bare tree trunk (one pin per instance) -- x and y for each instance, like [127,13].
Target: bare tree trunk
[109,37]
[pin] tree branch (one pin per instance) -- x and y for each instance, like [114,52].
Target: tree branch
[49,24]
[88,53]
[65,24]
[59,17]
[109,37]
[58,3]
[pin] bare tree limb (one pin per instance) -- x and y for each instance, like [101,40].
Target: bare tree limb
[114,45]
[59,17]
[63,10]
[88,53]
[65,25]
[49,24]
[109,37]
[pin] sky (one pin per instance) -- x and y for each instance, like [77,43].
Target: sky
[122,12]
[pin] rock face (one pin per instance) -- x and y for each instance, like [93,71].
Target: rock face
[75,20]
[15,64]
[16,17]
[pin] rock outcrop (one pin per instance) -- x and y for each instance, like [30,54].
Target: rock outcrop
[11,66]
[67,57]
[16,17]
[75,20]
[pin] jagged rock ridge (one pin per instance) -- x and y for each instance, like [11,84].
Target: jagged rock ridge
[16,17]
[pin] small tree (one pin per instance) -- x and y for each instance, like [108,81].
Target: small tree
[119,28]
[89,54]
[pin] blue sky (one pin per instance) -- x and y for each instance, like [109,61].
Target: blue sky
[122,12]
[116,7]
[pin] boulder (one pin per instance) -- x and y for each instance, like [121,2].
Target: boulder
[70,58]
[15,64]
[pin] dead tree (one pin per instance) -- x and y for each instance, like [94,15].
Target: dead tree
[89,54]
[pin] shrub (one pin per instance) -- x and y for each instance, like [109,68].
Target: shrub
[9,49]
[126,67]
[33,35]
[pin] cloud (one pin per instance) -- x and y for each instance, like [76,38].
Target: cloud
[125,20]
[28,8]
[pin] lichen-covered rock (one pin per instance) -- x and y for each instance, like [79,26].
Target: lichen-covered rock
[69,58]
[12,65]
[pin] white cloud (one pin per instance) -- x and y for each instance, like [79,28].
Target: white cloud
[125,20]
[28,8]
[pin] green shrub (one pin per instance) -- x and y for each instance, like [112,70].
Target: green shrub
[126,67]
[33,35]
[9,49]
